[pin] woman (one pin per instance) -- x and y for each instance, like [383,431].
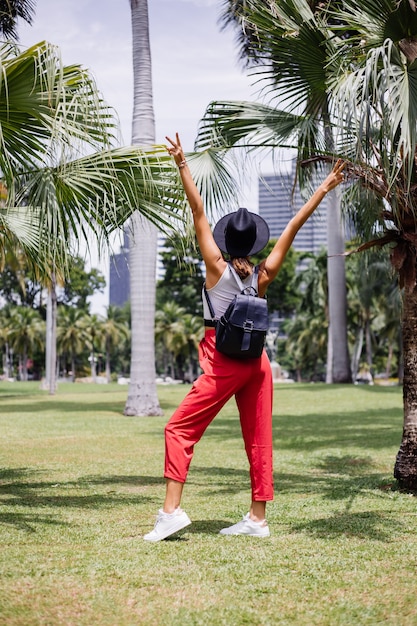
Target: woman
[239,235]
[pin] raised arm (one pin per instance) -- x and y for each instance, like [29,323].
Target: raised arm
[272,264]
[210,252]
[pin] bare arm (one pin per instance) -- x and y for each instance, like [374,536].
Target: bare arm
[272,264]
[210,251]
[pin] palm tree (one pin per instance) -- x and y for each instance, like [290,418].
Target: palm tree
[374,84]
[368,288]
[113,330]
[72,334]
[26,332]
[306,343]
[169,330]
[10,11]
[142,395]
[288,49]
[307,330]
[180,333]
[51,115]
[95,335]
[194,330]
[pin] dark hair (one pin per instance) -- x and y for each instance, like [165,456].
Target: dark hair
[243,266]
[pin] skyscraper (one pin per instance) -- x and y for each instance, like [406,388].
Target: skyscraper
[279,200]
[119,285]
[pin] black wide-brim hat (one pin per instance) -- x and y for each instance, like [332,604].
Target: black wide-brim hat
[241,233]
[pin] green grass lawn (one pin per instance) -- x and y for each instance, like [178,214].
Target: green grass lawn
[80,484]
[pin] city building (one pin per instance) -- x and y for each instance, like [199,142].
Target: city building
[279,201]
[119,276]
[119,286]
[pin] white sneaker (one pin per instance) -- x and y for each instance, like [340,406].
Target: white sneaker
[167,524]
[247,527]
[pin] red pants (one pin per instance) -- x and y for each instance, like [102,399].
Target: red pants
[250,381]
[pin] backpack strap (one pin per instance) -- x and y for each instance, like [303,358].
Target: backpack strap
[253,285]
[210,306]
[254,282]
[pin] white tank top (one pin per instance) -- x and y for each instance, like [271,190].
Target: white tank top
[223,293]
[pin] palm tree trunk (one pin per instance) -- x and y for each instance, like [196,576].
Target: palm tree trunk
[108,356]
[357,351]
[72,366]
[25,363]
[50,352]
[142,395]
[338,369]
[389,359]
[405,469]
[368,343]
[338,364]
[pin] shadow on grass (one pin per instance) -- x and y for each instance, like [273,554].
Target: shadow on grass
[337,479]
[58,406]
[373,525]
[27,522]
[370,429]
[18,489]
[343,485]
[334,478]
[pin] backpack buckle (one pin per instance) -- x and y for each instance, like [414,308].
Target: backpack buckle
[248,326]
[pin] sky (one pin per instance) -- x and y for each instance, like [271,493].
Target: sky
[193,63]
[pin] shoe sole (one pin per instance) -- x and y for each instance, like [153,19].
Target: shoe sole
[244,535]
[179,526]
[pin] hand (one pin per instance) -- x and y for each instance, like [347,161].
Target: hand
[335,177]
[176,150]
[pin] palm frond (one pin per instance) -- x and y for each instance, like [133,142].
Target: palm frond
[21,231]
[216,181]
[47,108]
[228,124]
[103,190]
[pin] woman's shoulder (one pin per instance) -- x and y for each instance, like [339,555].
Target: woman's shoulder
[215,273]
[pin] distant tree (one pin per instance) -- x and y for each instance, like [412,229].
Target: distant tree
[170,331]
[18,282]
[183,275]
[371,281]
[305,347]
[194,331]
[26,332]
[81,284]
[114,331]
[72,335]
[282,296]
[179,333]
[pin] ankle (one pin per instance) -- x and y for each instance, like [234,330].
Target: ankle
[169,510]
[257,511]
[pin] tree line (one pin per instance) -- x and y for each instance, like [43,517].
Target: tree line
[98,346]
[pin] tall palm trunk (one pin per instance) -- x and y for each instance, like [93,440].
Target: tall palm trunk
[405,470]
[142,396]
[338,366]
[108,356]
[50,352]
[338,363]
